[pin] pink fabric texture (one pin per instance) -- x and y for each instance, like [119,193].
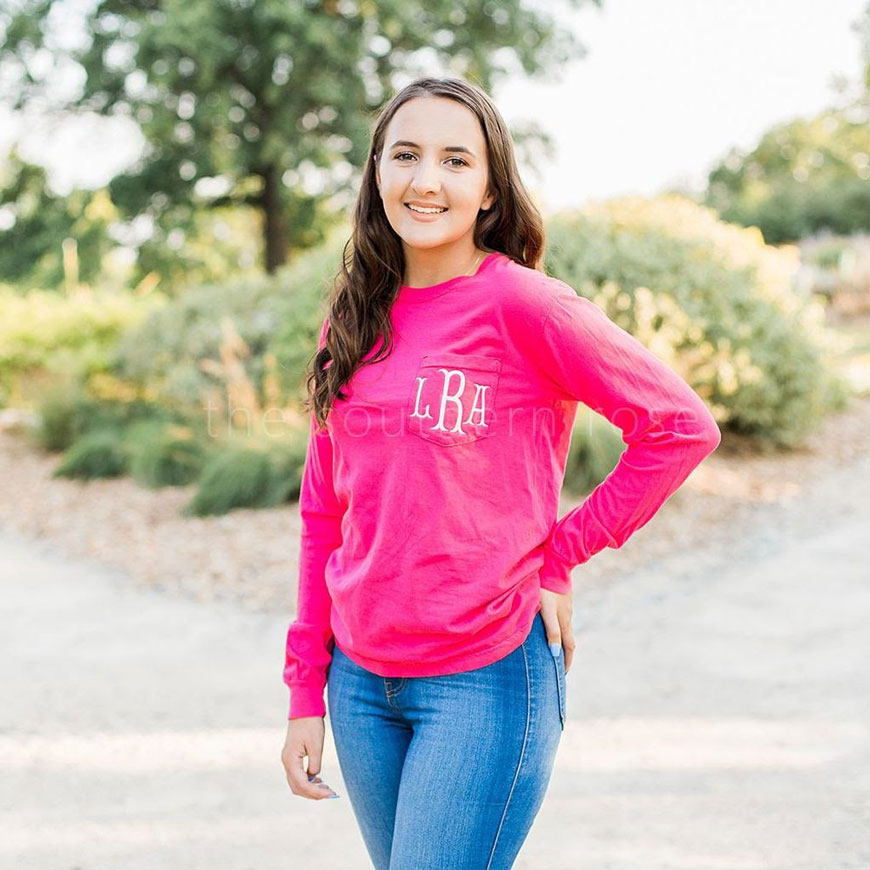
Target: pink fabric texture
[429,502]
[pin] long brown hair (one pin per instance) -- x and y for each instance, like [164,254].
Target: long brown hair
[370,277]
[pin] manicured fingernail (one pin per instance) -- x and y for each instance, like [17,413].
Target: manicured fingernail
[333,796]
[311,778]
[556,649]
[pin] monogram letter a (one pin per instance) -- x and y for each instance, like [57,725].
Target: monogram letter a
[479,393]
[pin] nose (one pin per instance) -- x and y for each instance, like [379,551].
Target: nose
[425,179]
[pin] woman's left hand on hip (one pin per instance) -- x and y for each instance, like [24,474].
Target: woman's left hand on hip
[556,612]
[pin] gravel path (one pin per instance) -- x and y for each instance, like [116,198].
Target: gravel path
[719,710]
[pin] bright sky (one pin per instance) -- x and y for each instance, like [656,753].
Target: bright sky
[665,89]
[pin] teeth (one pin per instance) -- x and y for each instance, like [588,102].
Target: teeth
[426,210]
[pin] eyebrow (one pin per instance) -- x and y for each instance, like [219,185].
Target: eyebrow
[404,143]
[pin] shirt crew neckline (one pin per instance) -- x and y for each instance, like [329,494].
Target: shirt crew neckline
[407,293]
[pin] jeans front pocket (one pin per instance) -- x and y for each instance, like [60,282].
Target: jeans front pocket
[452,399]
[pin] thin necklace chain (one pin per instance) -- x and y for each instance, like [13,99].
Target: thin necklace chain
[473,266]
[479,257]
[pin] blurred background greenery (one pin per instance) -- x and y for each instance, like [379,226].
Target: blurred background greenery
[159,326]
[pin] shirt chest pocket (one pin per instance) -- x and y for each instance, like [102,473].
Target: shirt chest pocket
[452,398]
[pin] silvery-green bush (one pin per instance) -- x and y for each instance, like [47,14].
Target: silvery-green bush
[712,301]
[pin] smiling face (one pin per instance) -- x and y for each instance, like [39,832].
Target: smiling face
[434,157]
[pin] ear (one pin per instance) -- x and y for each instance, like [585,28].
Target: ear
[487,203]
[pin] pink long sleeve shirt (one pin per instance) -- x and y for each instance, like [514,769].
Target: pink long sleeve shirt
[429,501]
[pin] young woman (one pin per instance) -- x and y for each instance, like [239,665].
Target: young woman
[434,577]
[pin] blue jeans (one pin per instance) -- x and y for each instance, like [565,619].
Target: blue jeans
[449,771]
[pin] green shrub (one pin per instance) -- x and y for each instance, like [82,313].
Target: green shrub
[94,455]
[237,477]
[122,414]
[250,474]
[713,302]
[62,417]
[304,288]
[176,352]
[596,445]
[66,414]
[164,454]
[45,335]
[288,462]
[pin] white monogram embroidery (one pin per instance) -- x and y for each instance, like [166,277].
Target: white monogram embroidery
[453,400]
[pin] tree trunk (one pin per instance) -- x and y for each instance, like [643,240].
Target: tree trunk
[275,232]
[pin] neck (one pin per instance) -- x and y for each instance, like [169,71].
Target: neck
[425,268]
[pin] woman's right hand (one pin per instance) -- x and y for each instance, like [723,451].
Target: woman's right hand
[305,737]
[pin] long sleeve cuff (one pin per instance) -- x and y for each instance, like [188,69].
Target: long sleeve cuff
[555,573]
[306,700]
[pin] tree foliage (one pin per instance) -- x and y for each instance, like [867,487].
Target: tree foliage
[51,240]
[806,175]
[802,177]
[265,104]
